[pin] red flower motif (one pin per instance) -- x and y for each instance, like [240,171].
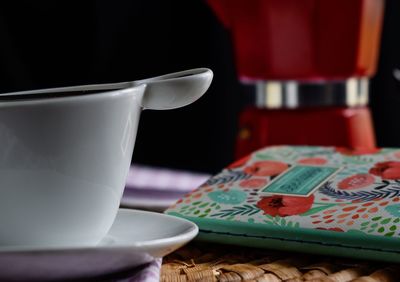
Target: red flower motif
[266,168]
[285,205]
[337,229]
[386,170]
[239,162]
[253,183]
[357,151]
[356,181]
[312,161]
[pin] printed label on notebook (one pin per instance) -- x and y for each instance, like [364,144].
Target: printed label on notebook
[300,180]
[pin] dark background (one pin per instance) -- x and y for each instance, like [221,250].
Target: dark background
[64,43]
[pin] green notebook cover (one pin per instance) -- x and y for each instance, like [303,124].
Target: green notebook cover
[323,200]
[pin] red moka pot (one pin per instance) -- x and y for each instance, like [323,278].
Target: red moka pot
[304,66]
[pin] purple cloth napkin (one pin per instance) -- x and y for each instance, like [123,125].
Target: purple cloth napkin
[158,188]
[151,273]
[155,178]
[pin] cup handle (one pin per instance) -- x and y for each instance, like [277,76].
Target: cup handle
[175,90]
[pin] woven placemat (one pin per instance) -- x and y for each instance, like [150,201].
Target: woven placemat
[209,262]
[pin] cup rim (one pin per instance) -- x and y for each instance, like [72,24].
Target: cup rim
[89,93]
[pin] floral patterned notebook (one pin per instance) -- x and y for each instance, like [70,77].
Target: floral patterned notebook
[323,200]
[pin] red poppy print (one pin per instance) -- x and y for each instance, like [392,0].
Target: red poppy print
[266,168]
[397,155]
[356,181]
[253,183]
[285,205]
[313,161]
[239,162]
[357,151]
[386,170]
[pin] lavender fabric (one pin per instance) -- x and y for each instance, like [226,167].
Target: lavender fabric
[155,178]
[150,273]
[156,189]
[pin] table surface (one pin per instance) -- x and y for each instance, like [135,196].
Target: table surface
[212,262]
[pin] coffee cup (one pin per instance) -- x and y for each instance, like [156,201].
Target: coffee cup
[65,155]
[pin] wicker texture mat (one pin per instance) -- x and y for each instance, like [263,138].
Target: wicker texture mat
[208,262]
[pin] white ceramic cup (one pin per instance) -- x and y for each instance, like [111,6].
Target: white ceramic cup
[65,154]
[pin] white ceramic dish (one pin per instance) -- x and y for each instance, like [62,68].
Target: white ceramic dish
[135,238]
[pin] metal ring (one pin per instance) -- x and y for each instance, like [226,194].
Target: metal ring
[294,94]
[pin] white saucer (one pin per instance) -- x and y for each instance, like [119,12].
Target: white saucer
[136,238]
